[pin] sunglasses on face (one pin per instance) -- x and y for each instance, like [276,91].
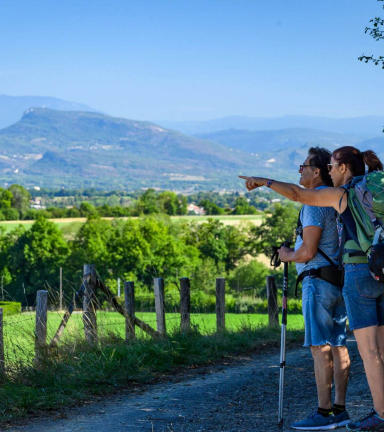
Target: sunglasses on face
[329,166]
[303,166]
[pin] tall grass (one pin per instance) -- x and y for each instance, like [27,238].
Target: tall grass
[75,370]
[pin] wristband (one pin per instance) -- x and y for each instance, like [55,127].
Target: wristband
[269,182]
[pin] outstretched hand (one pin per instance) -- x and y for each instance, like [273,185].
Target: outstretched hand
[253,182]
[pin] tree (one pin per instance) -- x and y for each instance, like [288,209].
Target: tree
[242,207]
[87,209]
[169,203]
[11,214]
[250,276]
[20,198]
[276,229]
[5,198]
[34,257]
[237,244]
[90,246]
[377,32]
[147,203]
[210,207]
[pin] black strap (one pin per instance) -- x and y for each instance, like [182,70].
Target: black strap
[354,253]
[325,256]
[275,259]
[331,274]
[303,275]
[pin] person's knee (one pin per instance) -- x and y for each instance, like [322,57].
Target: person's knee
[321,352]
[340,353]
[370,353]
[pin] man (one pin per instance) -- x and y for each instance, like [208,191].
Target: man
[323,305]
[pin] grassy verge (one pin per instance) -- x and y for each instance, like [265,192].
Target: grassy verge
[75,371]
[19,338]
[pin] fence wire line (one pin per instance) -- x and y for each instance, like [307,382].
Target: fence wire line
[104,317]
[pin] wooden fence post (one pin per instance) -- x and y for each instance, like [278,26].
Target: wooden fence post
[41,324]
[89,303]
[273,310]
[2,359]
[129,294]
[160,305]
[220,304]
[185,304]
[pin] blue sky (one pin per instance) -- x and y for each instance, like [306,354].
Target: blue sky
[195,59]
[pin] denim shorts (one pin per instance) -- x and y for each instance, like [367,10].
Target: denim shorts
[324,313]
[364,297]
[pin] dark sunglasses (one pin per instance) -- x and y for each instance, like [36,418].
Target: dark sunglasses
[303,166]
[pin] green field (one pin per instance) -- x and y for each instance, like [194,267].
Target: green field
[76,222]
[19,329]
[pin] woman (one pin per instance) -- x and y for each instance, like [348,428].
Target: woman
[364,297]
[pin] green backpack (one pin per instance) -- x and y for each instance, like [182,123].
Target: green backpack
[366,202]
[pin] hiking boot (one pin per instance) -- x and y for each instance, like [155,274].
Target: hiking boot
[316,421]
[371,422]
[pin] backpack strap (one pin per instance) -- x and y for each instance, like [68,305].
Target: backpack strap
[311,272]
[300,232]
[323,254]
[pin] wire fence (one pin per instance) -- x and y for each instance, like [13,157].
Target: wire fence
[21,331]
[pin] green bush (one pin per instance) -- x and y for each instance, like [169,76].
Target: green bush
[10,308]
[11,214]
[248,304]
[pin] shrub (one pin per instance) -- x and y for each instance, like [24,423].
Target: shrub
[10,308]
[11,214]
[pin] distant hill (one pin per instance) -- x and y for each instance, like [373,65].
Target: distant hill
[81,149]
[366,127]
[76,149]
[261,141]
[13,107]
[375,144]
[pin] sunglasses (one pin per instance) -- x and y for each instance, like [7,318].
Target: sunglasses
[329,166]
[303,166]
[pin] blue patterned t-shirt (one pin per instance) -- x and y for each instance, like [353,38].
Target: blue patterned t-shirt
[325,218]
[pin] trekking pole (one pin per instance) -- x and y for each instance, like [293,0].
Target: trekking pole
[283,338]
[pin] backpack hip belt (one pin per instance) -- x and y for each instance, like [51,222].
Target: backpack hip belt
[330,274]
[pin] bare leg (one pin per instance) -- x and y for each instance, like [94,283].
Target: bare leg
[341,372]
[368,344]
[381,341]
[322,356]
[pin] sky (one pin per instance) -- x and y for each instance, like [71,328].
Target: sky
[194,60]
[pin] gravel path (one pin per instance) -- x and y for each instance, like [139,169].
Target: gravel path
[239,397]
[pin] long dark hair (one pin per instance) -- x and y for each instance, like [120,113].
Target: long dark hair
[356,160]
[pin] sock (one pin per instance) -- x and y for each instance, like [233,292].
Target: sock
[338,409]
[324,411]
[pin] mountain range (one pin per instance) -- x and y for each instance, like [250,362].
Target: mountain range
[13,107]
[80,148]
[367,126]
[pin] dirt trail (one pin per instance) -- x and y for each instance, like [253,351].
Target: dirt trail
[239,397]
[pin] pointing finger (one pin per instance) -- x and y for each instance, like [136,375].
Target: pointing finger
[244,177]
